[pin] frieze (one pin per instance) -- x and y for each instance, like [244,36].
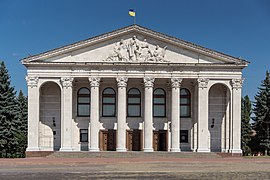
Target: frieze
[237,83]
[32,81]
[135,50]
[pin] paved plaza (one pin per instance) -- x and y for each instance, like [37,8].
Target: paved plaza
[136,168]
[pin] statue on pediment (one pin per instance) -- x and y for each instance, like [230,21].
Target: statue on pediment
[136,51]
[159,54]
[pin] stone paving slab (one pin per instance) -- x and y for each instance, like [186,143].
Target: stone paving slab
[135,168]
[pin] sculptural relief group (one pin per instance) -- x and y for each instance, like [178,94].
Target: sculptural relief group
[135,50]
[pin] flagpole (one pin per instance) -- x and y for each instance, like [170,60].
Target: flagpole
[134,19]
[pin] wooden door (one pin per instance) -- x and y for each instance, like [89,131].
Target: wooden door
[107,140]
[160,140]
[134,140]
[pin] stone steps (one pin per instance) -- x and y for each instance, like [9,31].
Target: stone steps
[113,154]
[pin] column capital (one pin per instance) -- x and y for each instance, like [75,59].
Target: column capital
[67,81]
[237,83]
[202,82]
[176,82]
[122,82]
[32,81]
[148,82]
[94,81]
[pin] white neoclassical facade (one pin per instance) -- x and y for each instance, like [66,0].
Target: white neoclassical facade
[134,89]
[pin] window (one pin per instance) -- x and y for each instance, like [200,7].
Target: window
[159,103]
[83,102]
[184,136]
[83,135]
[134,103]
[108,102]
[185,103]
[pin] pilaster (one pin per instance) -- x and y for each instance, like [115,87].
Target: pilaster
[121,114]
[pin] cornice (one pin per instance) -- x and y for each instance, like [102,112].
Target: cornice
[127,64]
[139,29]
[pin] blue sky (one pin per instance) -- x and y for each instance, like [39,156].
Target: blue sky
[240,28]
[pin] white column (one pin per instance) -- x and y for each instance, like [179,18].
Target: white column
[121,114]
[94,114]
[175,116]
[236,115]
[148,114]
[203,132]
[66,119]
[33,113]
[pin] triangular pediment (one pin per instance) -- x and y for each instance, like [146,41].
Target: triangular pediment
[133,44]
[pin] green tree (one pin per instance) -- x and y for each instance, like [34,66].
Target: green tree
[262,116]
[245,125]
[21,133]
[8,111]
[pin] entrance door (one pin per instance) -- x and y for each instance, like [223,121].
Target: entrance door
[160,140]
[108,140]
[134,140]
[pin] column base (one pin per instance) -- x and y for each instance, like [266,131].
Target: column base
[148,150]
[94,149]
[65,149]
[203,150]
[121,150]
[33,149]
[175,150]
[236,151]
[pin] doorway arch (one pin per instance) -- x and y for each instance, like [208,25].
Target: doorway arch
[217,116]
[50,116]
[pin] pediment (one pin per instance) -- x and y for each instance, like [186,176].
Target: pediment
[133,44]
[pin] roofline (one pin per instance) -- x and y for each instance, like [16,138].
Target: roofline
[183,43]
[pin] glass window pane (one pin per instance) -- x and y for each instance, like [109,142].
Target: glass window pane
[108,110]
[184,92]
[83,109]
[108,91]
[84,91]
[184,101]
[83,100]
[159,92]
[184,111]
[159,111]
[84,135]
[108,100]
[134,110]
[133,100]
[159,100]
[133,91]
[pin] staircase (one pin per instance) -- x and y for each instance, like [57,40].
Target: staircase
[133,154]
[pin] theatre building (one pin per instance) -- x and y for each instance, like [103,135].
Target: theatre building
[134,89]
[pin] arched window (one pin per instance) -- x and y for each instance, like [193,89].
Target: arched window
[108,102]
[134,103]
[83,102]
[185,103]
[159,103]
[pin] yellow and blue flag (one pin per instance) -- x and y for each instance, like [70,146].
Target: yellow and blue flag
[132,12]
